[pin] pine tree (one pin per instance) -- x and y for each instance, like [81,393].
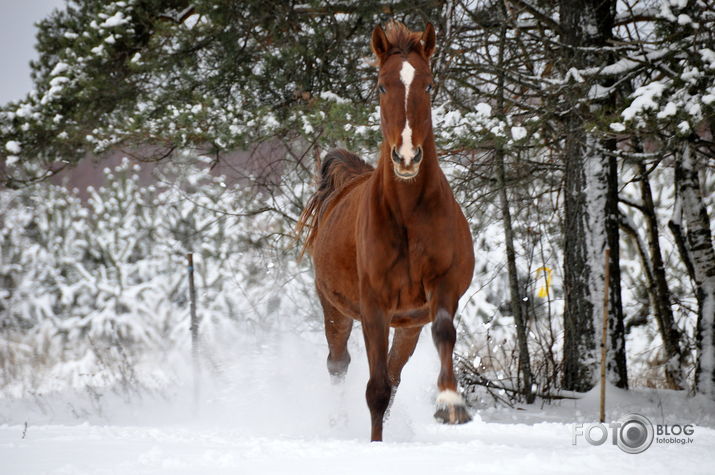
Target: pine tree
[214,75]
[591,206]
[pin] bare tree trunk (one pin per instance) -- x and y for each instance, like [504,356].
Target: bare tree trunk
[618,372]
[579,331]
[702,255]
[676,228]
[661,293]
[516,304]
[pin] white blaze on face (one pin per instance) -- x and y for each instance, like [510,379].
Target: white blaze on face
[407,74]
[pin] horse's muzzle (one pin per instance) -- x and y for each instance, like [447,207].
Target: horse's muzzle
[406,169]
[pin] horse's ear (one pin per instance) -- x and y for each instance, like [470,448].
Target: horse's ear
[428,40]
[379,42]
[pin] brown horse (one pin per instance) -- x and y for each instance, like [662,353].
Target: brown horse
[391,246]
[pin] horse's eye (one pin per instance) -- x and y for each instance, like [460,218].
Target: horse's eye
[428,88]
[381,89]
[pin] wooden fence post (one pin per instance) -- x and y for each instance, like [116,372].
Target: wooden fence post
[604,333]
[194,328]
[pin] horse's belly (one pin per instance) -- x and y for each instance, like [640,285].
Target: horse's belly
[335,265]
[336,280]
[411,318]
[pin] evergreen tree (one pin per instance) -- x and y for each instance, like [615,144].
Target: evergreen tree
[215,75]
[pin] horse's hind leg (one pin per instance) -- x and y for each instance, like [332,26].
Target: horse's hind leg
[337,332]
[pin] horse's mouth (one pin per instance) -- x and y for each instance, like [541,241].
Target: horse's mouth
[406,174]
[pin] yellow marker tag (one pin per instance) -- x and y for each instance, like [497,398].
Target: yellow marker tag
[543,291]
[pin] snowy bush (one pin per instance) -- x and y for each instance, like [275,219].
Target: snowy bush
[90,288]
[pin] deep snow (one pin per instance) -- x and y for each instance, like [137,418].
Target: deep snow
[269,407]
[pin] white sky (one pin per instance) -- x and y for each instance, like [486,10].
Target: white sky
[17,40]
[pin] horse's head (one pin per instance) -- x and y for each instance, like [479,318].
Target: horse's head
[404,83]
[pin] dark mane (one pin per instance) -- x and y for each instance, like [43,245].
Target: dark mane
[403,40]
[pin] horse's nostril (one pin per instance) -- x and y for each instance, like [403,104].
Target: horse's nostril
[418,155]
[396,156]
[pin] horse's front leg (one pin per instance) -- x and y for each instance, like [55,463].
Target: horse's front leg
[375,329]
[403,346]
[451,408]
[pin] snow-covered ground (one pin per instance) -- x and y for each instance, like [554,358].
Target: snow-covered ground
[269,407]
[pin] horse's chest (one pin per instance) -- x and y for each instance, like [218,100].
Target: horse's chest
[427,258]
[403,265]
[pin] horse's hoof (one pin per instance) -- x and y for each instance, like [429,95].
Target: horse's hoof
[453,415]
[451,408]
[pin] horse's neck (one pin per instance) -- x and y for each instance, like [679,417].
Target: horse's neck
[404,196]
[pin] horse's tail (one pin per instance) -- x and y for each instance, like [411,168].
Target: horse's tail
[339,168]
